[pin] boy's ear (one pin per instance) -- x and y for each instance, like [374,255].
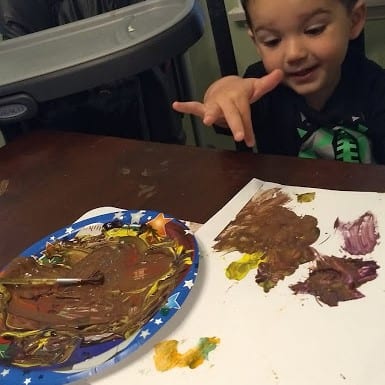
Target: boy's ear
[358,19]
[251,35]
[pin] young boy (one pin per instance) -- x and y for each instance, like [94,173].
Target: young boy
[313,95]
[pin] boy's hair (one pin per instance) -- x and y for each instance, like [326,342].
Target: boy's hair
[349,4]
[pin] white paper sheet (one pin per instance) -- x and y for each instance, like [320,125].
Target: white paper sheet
[274,338]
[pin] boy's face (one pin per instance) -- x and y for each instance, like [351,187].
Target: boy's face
[306,39]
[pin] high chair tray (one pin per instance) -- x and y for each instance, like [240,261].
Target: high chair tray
[80,55]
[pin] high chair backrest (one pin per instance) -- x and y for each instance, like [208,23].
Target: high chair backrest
[74,56]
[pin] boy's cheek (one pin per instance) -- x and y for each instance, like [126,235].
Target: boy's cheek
[270,64]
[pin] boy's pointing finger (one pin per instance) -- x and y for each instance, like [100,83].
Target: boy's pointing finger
[194,108]
[265,84]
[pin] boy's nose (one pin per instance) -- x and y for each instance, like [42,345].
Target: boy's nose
[295,50]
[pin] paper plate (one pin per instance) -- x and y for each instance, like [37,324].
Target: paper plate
[91,358]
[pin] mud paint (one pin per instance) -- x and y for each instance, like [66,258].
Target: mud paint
[57,326]
[360,236]
[336,279]
[146,190]
[125,171]
[239,269]
[264,225]
[167,357]
[3,186]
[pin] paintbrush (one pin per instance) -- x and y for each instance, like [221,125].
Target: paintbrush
[95,279]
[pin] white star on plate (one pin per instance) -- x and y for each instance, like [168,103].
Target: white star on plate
[136,217]
[158,321]
[172,302]
[188,283]
[27,381]
[52,238]
[69,230]
[145,333]
[4,372]
[188,231]
[118,215]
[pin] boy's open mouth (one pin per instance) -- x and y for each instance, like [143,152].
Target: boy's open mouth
[303,72]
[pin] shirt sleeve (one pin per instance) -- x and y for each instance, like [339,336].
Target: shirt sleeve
[375,107]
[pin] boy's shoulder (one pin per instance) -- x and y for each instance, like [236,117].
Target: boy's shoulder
[364,80]
[367,69]
[375,73]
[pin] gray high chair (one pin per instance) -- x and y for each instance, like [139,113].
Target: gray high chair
[121,62]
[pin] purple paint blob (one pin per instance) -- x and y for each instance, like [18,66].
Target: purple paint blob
[360,236]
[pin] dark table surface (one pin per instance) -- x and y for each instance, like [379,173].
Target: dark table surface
[49,179]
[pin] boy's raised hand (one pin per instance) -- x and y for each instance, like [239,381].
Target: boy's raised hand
[227,103]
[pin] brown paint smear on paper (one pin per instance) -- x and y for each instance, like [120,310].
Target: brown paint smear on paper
[264,225]
[279,241]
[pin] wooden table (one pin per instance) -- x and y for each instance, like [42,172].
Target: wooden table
[49,179]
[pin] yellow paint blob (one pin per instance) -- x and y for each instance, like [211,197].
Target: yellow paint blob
[306,197]
[167,357]
[121,232]
[239,269]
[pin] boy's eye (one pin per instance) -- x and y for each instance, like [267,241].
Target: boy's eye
[315,30]
[273,42]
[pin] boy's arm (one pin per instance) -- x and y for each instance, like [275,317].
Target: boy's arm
[227,103]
